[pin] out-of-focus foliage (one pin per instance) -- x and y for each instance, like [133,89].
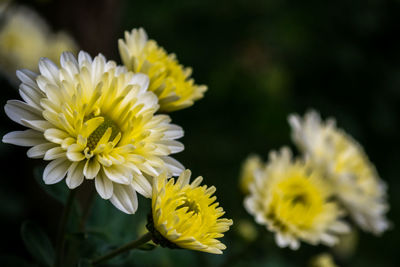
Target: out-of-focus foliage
[261,60]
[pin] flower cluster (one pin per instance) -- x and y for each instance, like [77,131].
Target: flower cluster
[95,120]
[305,199]
[346,166]
[293,200]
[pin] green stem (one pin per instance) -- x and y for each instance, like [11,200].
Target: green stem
[61,230]
[134,244]
[86,211]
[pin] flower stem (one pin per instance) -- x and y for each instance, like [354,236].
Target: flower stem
[134,244]
[86,209]
[61,229]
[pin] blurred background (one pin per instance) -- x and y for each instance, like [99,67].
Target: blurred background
[261,61]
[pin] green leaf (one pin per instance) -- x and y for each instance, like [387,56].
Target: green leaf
[58,191]
[37,243]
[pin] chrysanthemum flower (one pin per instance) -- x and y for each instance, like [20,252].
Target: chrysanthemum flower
[348,168]
[186,215]
[292,200]
[169,80]
[94,120]
[252,166]
[25,37]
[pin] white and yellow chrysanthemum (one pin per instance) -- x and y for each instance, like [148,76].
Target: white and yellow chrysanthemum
[169,80]
[251,167]
[292,200]
[25,38]
[94,120]
[354,177]
[186,215]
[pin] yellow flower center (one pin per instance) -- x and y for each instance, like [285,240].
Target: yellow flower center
[97,134]
[191,205]
[296,201]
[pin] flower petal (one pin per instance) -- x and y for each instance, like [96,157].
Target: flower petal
[125,198]
[24,138]
[55,171]
[27,77]
[104,186]
[173,132]
[54,153]
[49,70]
[17,110]
[75,175]
[118,174]
[173,166]
[40,150]
[142,185]
[55,135]
[91,168]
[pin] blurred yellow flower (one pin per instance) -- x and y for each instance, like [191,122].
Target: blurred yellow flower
[25,38]
[169,80]
[292,200]
[251,166]
[186,215]
[348,168]
[246,229]
[94,120]
[322,260]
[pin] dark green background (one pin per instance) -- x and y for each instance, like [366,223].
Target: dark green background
[261,61]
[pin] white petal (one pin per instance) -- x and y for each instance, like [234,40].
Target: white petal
[83,56]
[328,239]
[67,57]
[174,146]
[38,125]
[173,165]
[17,110]
[28,77]
[49,70]
[294,244]
[31,95]
[124,198]
[24,138]
[174,132]
[104,186]
[142,80]
[91,168]
[75,153]
[54,153]
[281,240]
[75,175]
[118,174]
[55,171]
[55,135]
[340,227]
[38,151]
[142,185]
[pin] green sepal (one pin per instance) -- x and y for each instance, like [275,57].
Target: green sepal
[157,237]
